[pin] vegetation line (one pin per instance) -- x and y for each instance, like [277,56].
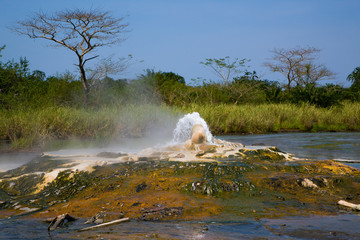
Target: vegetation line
[35,128]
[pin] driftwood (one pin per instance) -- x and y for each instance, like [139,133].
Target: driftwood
[105,224]
[350,205]
[59,221]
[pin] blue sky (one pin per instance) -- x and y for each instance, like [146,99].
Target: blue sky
[177,35]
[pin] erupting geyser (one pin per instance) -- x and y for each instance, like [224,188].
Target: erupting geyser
[182,131]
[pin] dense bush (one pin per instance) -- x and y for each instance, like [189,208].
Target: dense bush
[321,96]
[22,88]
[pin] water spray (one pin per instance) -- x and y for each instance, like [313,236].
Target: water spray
[182,131]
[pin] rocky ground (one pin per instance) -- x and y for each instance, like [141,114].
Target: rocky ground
[223,181]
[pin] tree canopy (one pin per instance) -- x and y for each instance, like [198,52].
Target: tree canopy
[354,77]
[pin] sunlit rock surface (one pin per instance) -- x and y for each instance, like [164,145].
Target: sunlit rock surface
[218,180]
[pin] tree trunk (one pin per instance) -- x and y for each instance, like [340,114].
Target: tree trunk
[289,80]
[84,80]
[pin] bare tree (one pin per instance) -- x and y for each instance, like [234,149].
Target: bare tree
[311,73]
[107,67]
[297,65]
[78,30]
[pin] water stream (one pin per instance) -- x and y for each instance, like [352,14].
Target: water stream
[340,146]
[344,226]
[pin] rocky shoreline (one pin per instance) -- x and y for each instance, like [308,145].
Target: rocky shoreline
[208,182]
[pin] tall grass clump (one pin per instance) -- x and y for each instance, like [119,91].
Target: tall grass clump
[35,127]
[264,118]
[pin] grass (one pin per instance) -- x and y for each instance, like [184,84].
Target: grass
[265,118]
[36,127]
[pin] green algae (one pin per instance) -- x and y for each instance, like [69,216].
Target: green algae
[22,185]
[267,154]
[66,185]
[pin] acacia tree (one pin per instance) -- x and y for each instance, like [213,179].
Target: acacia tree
[224,68]
[80,31]
[297,65]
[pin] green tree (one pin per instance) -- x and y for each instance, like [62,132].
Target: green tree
[320,96]
[258,90]
[63,90]
[165,86]
[20,87]
[354,78]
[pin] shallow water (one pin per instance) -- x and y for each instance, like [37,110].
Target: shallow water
[335,145]
[138,230]
[341,146]
[309,227]
[13,160]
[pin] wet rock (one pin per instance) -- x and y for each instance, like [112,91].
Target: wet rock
[307,183]
[198,134]
[269,154]
[141,187]
[29,210]
[179,155]
[195,185]
[204,148]
[97,218]
[3,195]
[258,144]
[158,213]
[59,221]
[149,158]
[54,202]
[314,183]
[213,186]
